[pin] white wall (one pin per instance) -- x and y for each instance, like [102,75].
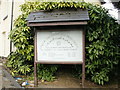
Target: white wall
[5,24]
[4,27]
[93,1]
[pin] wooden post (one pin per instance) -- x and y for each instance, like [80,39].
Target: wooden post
[83,75]
[35,58]
[35,74]
[83,64]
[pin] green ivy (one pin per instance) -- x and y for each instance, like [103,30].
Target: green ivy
[101,41]
[46,72]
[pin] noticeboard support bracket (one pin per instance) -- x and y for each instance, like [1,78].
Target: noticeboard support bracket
[83,76]
[35,75]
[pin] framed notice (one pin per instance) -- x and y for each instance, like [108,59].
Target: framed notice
[59,47]
[59,37]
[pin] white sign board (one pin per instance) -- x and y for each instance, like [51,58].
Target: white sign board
[60,46]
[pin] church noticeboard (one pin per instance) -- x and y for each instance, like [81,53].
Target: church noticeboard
[59,37]
[60,46]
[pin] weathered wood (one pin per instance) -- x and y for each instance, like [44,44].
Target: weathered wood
[58,15]
[57,23]
[83,64]
[59,62]
[35,58]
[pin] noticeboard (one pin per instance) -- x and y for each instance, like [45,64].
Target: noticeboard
[58,47]
[59,37]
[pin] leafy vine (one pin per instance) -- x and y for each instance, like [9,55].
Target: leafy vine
[101,42]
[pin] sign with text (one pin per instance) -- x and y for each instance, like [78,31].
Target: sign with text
[60,46]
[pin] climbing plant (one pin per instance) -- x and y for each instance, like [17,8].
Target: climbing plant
[101,42]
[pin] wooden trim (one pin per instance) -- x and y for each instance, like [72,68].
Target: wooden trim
[35,58]
[35,45]
[59,62]
[52,62]
[57,23]
[83,64]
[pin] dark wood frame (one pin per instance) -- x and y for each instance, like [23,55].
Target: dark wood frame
[57,23]
[35,58]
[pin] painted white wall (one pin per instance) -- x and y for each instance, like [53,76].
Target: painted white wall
[4,27]
[111,9]
[5,24]
[93,1]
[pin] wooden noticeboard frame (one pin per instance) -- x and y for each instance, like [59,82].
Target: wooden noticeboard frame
[63,46]
[36,58]
[62,19]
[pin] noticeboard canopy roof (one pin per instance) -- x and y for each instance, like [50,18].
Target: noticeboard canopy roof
[58,17]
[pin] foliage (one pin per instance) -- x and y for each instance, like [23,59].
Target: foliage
[47,72]
[101,41]
[17,64]
[102,45]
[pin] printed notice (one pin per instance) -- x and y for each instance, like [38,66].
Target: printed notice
[60,46]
